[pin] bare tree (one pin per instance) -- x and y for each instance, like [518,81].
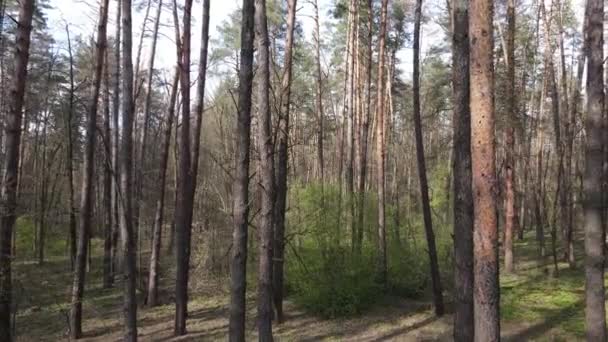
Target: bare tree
[282,156]
[424,187]
[266,179]
[126,179]
[12,133]
[381,146]
[595,309]
[240,187]
[483,154]
[464,329]
[510,212]
[182,227]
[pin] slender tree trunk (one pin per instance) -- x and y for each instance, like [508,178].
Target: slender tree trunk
[424,188]
[11,163]
[365,115]
[595,310]
[240,189]
[127,231]
[380,148]
[266,179]
[107,181]
[464,329]
[349,120]
[282,162]
[510,211]
[70,156]
[116,142]
[183,205]
[139,191]
[319,96]
[86,199]
[153,278]
[483,154]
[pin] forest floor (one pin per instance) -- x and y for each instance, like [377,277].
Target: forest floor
[534,306]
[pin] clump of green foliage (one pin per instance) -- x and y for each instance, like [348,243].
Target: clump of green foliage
[326,275]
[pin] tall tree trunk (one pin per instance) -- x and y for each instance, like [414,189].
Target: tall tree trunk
[88,179]
[319,95]
[555,111]
[380,147]
[595,310]
[349,120]
[116,207]
[8,192]
[126,179]
[483,154]
[365,116]
[282,162]
[424,188]
[510,211]
[139,191]
[70,156]
[153,276]
[266,180]
[464,329]
[107,180]
[240,188]
[182,226]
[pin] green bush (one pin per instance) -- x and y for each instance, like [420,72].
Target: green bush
[323,272]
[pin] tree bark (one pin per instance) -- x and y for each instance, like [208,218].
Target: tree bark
[319,96]
[8,190]
[116,142]
[483,154]
[107,181]
[240,189]
[266,180]
[424,188]
[70,157]
[88,179]
[126,180]
[139,191]
[380,148]
[510,211]
[464,329]
[153,276]
[595,310]
[183,205]
[282,162]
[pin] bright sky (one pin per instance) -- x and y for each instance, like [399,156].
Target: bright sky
[82,15]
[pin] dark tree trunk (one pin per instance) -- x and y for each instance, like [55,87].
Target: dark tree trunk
[424,188]
[139,191]
[266,180]
[595,310]
[510,213]
[70,157]
[116,143]
[88,179]
[464,329]
[282,162]
[382,267]
[319,96]
[126,179]
[483,154]
[182,226]
[107,182]
[238,262]
[152,299]
[12,129]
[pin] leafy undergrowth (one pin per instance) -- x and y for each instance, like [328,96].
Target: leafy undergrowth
[534,306]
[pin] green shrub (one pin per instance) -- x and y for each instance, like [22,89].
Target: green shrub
[323,272]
